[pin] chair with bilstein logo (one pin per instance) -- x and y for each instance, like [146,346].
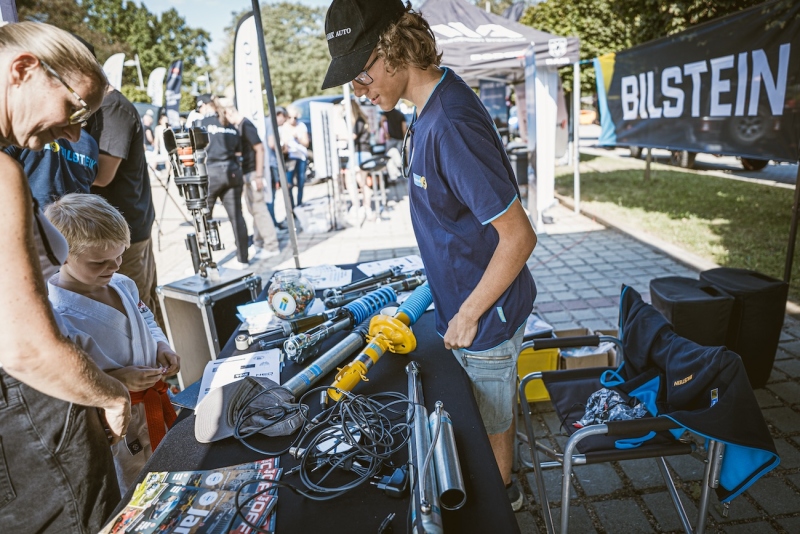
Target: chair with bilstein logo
[683,389]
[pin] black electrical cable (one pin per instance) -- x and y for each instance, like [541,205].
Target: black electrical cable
[373,427]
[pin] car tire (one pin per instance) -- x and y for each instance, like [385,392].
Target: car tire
[683,159]
[752,164]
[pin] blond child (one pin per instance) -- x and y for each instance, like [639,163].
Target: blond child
[105,316]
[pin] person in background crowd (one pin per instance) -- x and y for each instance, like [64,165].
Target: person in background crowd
[280,118]
[123,180]
[224,172]
[160,155]
[393,122]
[295,134]
[147,124]
[393,127]
[58,473]
[363,148]
[473,234]
[62,167]
[127,345]
[265,240]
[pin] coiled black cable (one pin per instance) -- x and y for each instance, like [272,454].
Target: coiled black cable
[372,428]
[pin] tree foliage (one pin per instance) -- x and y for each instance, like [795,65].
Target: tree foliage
[497,6]
[652,19]
[593,21]
[606,26]
[297,51]
[114,26]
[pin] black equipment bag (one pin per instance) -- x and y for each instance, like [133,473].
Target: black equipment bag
[697,310]
[756,319]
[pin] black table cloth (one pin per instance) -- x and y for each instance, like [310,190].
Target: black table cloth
[362,509]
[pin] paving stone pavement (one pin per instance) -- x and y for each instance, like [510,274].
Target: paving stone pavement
[579,266]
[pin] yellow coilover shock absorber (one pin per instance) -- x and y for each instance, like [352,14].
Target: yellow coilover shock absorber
[386,333]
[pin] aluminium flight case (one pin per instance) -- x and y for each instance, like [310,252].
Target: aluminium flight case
[200,316]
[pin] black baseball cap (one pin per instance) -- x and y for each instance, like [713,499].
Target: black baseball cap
[352,28]
[205,98]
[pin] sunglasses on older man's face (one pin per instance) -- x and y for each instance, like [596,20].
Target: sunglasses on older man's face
[80,115]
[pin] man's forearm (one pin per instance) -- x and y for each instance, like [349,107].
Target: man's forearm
[259,151]
[70,376]
[517,241]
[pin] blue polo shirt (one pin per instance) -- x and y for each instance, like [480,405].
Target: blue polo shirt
[61,167]
[460,180]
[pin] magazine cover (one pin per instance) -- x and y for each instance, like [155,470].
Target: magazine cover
[190,510]
[148,505]
[143,496]
[224,479]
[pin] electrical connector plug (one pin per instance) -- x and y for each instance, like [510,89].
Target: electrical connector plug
[394,485]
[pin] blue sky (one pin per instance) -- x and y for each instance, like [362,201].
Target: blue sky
[212,15]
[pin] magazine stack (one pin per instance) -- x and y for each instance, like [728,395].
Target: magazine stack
[195,502]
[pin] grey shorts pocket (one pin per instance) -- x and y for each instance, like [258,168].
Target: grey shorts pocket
[7,493]
[494,384]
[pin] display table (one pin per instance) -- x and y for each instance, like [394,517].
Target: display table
[363,509]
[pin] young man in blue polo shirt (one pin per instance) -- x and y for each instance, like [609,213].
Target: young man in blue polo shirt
[473,235]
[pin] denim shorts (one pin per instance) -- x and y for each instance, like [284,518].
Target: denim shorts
[493,374]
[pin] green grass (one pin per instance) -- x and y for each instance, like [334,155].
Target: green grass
[731,222]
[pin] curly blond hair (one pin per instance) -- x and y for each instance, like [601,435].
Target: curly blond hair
[408,42]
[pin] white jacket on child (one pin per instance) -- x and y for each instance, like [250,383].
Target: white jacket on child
[114,340]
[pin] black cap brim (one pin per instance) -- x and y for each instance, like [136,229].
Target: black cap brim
[344,69]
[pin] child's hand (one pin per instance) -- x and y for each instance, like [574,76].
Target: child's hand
[169,361]
[137,377]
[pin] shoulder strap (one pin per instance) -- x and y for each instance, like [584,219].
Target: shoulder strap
[43,235]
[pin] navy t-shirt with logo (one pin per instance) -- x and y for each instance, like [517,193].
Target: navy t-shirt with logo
[61,167]
[460,180]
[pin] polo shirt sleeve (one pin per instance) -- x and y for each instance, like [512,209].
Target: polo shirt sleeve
[472,164]
[116,135]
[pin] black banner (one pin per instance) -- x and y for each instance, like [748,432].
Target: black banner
[173,93]
[730,86]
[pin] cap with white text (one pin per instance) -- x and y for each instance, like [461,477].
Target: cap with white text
[352,28]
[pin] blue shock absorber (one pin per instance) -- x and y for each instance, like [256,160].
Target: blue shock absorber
[371,303]
[417,303]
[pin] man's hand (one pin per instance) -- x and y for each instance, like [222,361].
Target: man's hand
[116,418]
[259,182]
[168,359]
[137,377]
[461,331]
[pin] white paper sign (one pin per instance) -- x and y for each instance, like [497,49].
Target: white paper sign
[407,264]
[265,363]
[327,276]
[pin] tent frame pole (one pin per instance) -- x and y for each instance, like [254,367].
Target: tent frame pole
[287,194]
[787,272]
[576,111]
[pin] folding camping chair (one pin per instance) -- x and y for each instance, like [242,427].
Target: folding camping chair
[582,383]
[623,440]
